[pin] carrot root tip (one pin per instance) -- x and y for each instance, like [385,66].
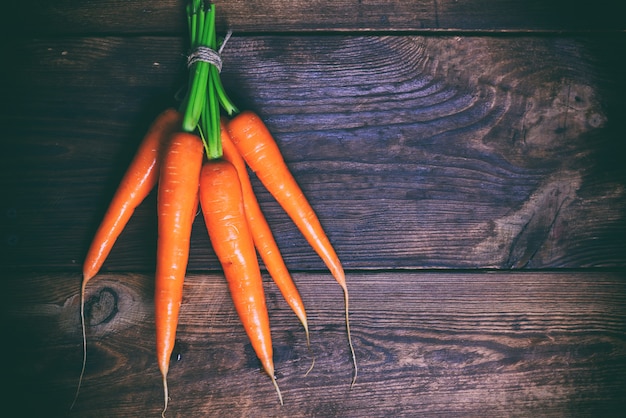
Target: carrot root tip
[165,396]
[308,346]
[280,396]
[310,367]
[84,342]
[356,368]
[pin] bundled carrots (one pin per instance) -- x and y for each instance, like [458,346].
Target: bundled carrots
[197,157]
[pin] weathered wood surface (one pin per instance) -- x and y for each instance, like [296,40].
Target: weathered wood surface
[446,152]
[443,135]
[167,16]
[452,344]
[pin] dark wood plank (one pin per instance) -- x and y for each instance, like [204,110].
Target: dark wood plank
[484,344]
[245,16]
[416,152]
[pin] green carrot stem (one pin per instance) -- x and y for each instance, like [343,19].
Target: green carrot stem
[196,98]
[206,95]
[213,122]
[223,98]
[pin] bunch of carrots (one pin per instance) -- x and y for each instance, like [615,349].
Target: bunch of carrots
[197,157]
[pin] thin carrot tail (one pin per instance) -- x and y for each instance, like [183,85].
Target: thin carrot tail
[165,395]
[269,369]
[347,304]
[84,336]
[305,324]
[339,275]
[312,359]
[280,396]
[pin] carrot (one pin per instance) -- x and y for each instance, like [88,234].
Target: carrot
[222,206]
[258,148]
[139,179]
[176,202]
[262,234]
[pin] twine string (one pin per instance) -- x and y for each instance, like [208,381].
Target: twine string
[205,54]
[209,55]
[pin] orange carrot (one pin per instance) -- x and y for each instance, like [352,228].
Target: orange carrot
[222,206]
[139,179]
[258,148]
[262,234]
[176,202]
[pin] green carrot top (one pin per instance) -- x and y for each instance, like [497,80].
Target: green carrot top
[205,93]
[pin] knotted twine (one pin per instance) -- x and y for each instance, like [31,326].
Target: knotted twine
[208,55]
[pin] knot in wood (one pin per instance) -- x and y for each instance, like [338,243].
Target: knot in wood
[101,307]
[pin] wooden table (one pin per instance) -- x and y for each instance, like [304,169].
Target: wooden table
[465,158]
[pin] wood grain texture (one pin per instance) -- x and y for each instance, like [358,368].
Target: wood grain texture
[453,344]
[432,137]
[246,16]
[416,152]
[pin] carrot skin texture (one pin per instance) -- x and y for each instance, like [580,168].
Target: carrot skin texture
[177,201]
[222,205]
[261,153]
[262,234]
[140,178]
